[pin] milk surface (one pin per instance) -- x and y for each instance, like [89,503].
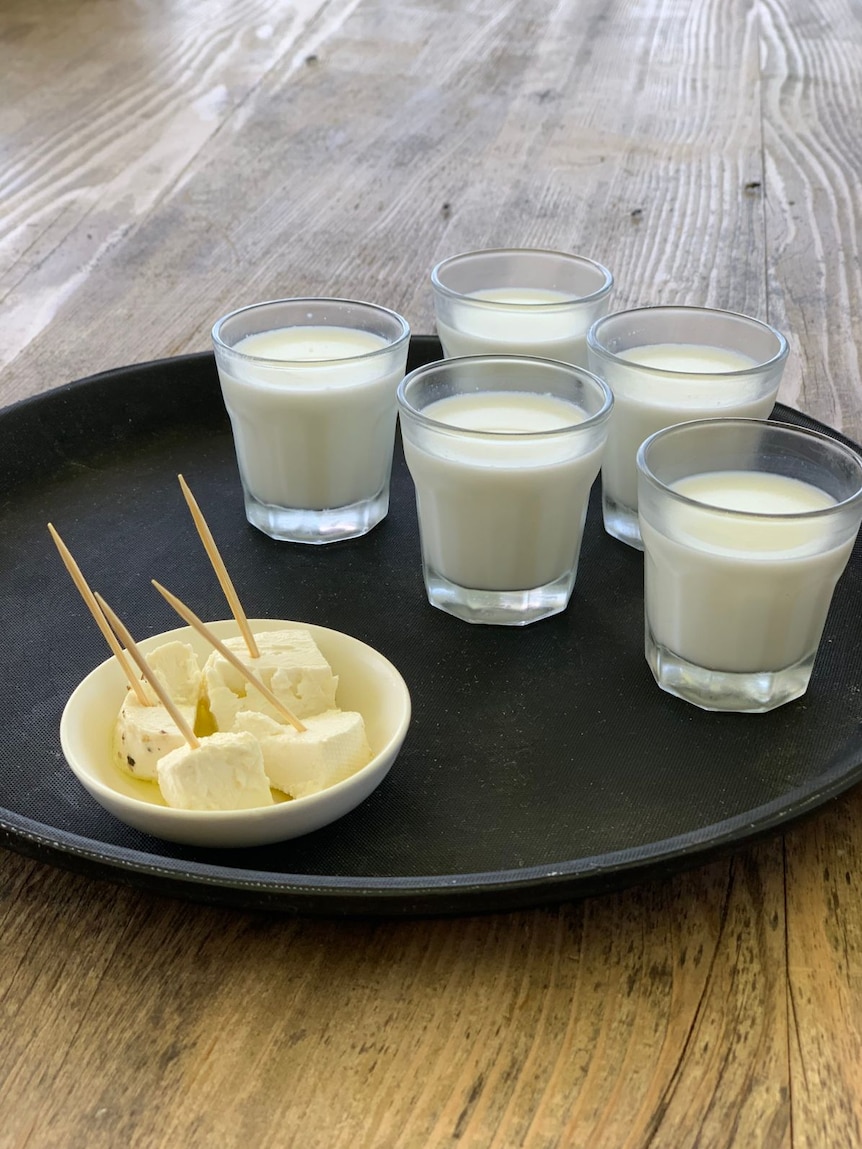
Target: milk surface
[733,593]
[502,514]
[697,358]
[760,493]
[505,412]
[643,405]
[516,330]
[310,343]
[313,425]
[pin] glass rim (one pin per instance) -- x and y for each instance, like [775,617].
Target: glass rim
[611,356]
[220,344]
[502,305]
[752,516]
[438,426]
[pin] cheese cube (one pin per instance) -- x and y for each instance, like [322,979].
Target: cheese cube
[176,666]
[143,734]
[225,772]
[333,746]
[290,664]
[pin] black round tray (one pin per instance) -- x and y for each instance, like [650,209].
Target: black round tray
[542,763]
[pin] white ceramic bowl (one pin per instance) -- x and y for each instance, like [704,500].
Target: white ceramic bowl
[367,682]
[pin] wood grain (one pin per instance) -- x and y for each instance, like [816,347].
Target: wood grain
[387,150]
[165,162]
[812,88]
[651,1017]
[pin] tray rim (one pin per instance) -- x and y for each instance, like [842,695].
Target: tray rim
[429,894]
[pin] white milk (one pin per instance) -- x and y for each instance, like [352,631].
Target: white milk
[518,330]
[644,405]
[502,515]
[695,358]
[313,427]
[738,594]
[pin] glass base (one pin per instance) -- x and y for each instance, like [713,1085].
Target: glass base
[751,693]
[328,526]
[621,522]
[499,607]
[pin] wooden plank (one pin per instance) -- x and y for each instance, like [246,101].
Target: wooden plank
[105,107]
[825,976]
[648,1017]
[812,89]
[395,145]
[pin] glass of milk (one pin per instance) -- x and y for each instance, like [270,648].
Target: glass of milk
[519,301]
[309,385]
[669,365]
[747,526]
[503,451]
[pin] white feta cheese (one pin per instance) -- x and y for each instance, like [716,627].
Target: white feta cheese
[143,734]
[332,747]
[225,772]
[290,664]
[176,666]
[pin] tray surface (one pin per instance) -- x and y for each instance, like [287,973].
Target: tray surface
[542,763]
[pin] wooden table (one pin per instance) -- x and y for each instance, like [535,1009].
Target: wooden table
[163,162]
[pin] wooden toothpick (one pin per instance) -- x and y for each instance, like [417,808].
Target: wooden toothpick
[149,675]
[96,611]
[201,627]
[220,569]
